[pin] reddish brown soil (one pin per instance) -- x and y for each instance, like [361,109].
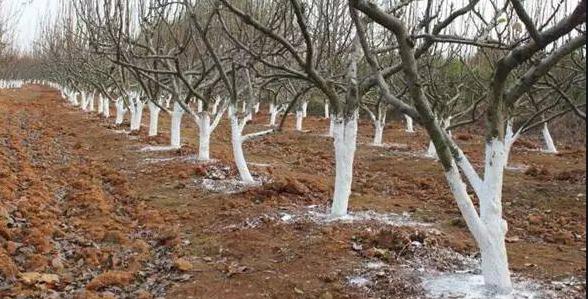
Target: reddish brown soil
[79,200]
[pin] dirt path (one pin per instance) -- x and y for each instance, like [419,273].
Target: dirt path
[84,212]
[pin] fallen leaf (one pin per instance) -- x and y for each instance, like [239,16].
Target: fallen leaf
[298,291]
[513,239]
[35,277]
[183,265]
[234,268]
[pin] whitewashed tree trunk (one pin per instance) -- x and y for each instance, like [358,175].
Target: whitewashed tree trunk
[204,136]
[84,101]
[327,112]
[215,105]
[100,104]
[447,125]
[379,121]
[299,118]
[106,108]
[91,102]
[153,118]
[409,124]
[74,99]
[120,111]
[168,101]
[493,248]
[488,228]
[176,124]
[237,142]
[332,126]
[136,114]
[273,111]
[345,133]
[200,105]
[244,107]
[230,111]
[256,107]
[304,108]
[431,151]
[379,133]
[509,139]
[549,144]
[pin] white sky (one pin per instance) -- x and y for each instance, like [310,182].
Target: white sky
[31,12]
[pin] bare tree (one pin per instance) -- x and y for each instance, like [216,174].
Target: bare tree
[488,227]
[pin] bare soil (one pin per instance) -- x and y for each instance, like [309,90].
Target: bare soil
[84,213]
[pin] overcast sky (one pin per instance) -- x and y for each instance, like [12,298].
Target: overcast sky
[30,13]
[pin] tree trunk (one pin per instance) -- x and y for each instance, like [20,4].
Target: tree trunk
[84,101]
[409,124]
[239,156]
[136,114]
[327,112]
[204,137]
[100,104]
[379,133]
[91,103]
[299,118]
[230,111]
[345,133]
[120,112]
[176,124]
[273,110]
[332,126]
[549,144]
[73,98]
[304,108]
[106,109]
[200,106]
[431,151]
[492,246]
[168,102]
[153,118]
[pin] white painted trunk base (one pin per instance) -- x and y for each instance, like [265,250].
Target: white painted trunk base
[73,98]
[431,151]
[493,248]
[549,144]
[230,111]
[120,112]
[200,105]
[239,156]
[153,119]
[106,109]
[91,103]
[204,137]
[378,133]
[332,126]
[409,124]
[136,115]
[488,228]
[168,101]
[304,109]
[84,101]
[176,123]
[299,118]
[100,104]
[273,111]
[327,112]
[345,133]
